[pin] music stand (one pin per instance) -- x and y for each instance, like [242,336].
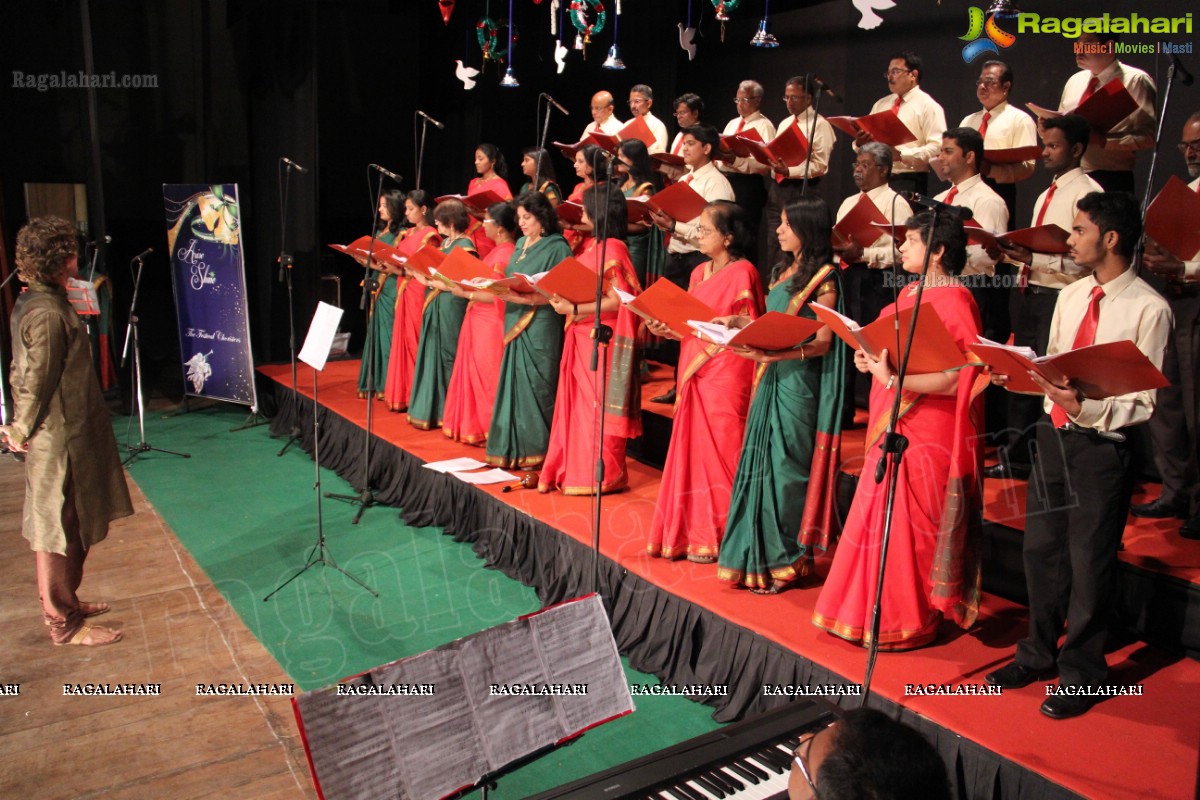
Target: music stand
[315,353]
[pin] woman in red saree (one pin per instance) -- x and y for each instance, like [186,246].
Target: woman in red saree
[472,390]
[713,397]
[491,176]
[570,464]
[410,302]
[933,553]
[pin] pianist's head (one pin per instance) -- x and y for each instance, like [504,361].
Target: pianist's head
[866,755]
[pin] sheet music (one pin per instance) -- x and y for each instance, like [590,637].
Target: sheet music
[319,340]
[495,475]
[347,751]
[455,464]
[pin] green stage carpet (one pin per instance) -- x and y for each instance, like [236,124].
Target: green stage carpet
[249,519]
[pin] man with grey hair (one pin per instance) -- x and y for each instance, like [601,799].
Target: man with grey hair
[641,100]
[747,176]
[867,291]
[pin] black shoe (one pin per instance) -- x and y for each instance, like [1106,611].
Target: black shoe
[666,398]
[1191,528]
[1016,471]
[1065,706]
[1158,509]
[1014,676]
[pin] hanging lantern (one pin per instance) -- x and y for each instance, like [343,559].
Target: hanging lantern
[762,38]
[614,56]
[509,81]
[447,8]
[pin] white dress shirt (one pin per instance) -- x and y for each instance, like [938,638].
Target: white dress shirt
[821,143]
[1008,127]
[925,119]
[660,133]
[1191,269]
[1135,132]
[766,130]
[879,254]
[989,211]
[1130,309]
[612,126]
[709,183]
[1055,272]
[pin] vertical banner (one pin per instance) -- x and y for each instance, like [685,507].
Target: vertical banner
[209,278]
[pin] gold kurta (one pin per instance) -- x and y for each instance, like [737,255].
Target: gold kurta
[59,409]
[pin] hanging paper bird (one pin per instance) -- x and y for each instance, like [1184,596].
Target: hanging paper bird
[465,74]
[870,20]
[687,40]
[447,8]
[560,55]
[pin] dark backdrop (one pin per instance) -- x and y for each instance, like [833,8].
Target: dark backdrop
[333,85]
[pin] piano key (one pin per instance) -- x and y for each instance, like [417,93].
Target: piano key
[749,766]
[709,785]
[764,763]
[731,780]
[714,776]
[699,791]
[679,793]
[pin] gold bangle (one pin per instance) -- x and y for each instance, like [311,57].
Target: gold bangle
[891,381]
[802,354]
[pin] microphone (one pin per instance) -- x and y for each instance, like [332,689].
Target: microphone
[430,119]
[140,256]
[962,213]
[824,87]
[387,172]
[106,240]
[558,105]
[1186,78]
[294,165]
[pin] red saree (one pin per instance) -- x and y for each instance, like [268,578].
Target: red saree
[571,458]
[933,553]
[710,420]
[406,331]
[472,390]
[484,245]
[576,239]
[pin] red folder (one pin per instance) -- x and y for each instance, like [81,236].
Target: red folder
[859,223]
[1110,104]
[1013,155]
[1098,371]
[790,147]
[884,126]
[934,349]
[570,212]
[425,258]
[736,143]
[478,202]
[637,128]
[571,281]
[517,284]
[666,303]
[461,265]
[670,159]
[1173,220]
[359,248]
[679,201]
[637,209]
[775,331]
[1048,239]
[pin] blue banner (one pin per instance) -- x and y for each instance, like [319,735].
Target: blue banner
[209,278]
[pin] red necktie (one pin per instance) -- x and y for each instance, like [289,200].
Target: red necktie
[688,178]
[950,195]
[1092,86]
[1023,276]
[741,126]
[987,115]
[896,105]
[678,146]
[1085,336]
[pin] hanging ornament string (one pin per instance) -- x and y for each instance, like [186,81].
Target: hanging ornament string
[579,9]
[487,33]
[723,7]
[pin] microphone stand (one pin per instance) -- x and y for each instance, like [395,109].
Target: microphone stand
[1162,120]
[537,170]
[286,262]
[366,496]
[893,446]
[421,147]
[601,336]
[131,333]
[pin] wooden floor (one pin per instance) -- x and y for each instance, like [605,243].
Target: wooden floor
[179,632]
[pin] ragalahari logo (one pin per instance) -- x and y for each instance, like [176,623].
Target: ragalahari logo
[993,37]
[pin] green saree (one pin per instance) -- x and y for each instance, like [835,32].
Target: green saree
[440,323]
[379,335]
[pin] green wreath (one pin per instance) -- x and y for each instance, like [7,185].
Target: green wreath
[487,33]
[579,9]
[724,6]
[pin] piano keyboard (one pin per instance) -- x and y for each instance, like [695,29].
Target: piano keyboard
[749,760]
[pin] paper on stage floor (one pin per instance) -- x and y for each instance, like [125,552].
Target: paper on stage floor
[319,340]
[455,464]
[484,478]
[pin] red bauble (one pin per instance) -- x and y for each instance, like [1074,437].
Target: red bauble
[447,8]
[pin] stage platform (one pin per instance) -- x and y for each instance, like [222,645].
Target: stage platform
[675,620]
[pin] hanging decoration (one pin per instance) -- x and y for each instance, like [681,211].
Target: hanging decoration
[687,35]
[465,74]
[510,79]
[867,8]
[487,33]
[556,20]
[762,38]
[614,57]
[579,10]
[447,8]
[723,7]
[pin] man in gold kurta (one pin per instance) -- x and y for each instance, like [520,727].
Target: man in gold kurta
[74,484]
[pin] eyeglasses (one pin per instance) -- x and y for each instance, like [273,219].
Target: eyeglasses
[684,113]
[894,71]
[487,221]
[743,100]
[802,763]
[988,83]
[1184,147]
[704,230]
[787,98]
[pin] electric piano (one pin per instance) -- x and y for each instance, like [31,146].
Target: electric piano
[748,760]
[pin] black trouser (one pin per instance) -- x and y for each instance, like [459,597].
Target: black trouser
[1030,313]
[1173,428]
[1076,506]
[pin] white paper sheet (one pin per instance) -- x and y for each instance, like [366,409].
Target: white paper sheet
[319,340]
[484,478]
[455,465]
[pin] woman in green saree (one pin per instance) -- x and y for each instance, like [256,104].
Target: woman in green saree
[784,491]
[440,324]
[636,177]
[533,342]
[372,375]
